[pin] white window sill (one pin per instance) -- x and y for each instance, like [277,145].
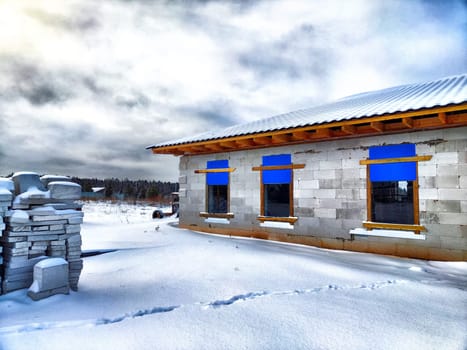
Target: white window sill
[277,224]
[217,220]
[387,233]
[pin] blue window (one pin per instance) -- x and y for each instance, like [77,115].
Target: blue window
[217,187]
[392,185]
[277,187]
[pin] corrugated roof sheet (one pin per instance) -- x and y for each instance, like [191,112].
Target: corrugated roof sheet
[405,98]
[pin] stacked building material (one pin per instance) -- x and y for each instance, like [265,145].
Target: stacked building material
[44,221]
[50,278]
[6,188]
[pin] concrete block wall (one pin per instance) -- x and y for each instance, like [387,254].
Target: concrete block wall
[330,194]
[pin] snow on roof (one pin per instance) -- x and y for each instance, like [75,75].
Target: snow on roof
[97,189]
[404,98]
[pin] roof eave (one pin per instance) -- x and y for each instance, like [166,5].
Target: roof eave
[423,119]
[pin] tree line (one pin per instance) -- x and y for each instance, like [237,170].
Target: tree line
[130,189]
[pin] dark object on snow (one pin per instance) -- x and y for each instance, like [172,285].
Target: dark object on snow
[157,214]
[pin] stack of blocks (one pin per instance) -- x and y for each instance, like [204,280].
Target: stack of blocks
[50,278]
[6,188]
[42,221]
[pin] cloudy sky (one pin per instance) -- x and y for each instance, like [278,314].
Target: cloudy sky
[86,85]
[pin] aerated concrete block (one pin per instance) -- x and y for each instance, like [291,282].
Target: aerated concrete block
[46,179]
[64,190]
[50,277]
[23,181]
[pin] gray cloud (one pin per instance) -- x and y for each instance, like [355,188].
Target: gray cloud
[300,53]
[81,21]
[30,82]
[215,113]
[91,84]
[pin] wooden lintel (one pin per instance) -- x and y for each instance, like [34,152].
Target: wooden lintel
[289,219]
[278,167]
[442,117]
[407,122]
[395,160]
[378,126]
[214,170]
[349,129]
[263,140]
[217,215]
[381,225]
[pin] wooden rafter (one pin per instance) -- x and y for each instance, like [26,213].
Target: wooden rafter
[378,126]
[301,135]
[349,129]
[263,140]
[321,133]
[442,117]
[215,147]
[407,122]
[246,143]
[228,144]
[280,138]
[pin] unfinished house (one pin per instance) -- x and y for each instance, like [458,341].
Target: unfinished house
[382,171]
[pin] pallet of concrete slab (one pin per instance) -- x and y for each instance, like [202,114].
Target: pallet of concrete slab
[6,194]
[1,263]
[75,263]
[6,189]
[18,272]
[42,231]
[30,190]
[43,221]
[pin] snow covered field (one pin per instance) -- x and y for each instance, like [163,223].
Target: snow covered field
[160,287]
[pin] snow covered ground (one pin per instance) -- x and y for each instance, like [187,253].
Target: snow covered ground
[160,287]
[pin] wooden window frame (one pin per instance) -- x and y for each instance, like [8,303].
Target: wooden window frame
[291,219]
[217,215]
[369,224]
[206,214]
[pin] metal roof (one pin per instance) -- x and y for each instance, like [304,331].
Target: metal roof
[405,98]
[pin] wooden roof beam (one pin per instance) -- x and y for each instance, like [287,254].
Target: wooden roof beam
[199,148]
[322,133]
[407,122]
[349,129]
[280,138]
[214,147]
[377,126]
[246,142]
[263,140]
[177,152]
[301,135]
[187,150]
[442,117]
[228,144]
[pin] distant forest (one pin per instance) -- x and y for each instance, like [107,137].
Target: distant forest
[157,191]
